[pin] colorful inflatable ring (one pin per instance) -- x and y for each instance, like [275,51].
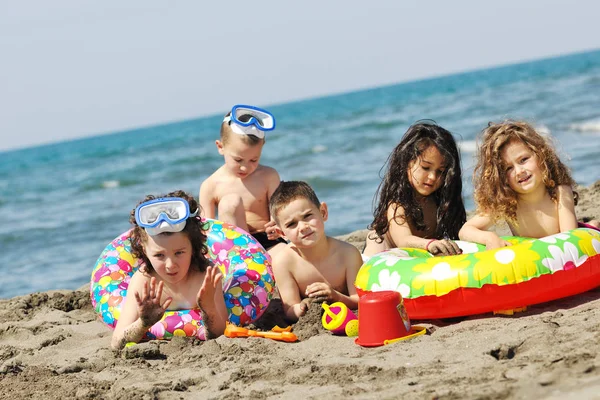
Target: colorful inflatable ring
[248,283]
[531,271]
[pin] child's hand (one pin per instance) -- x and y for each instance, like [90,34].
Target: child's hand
[301,308]
[149,308]
[494,241]
[272,231]
[205,298]
[445,247]
[320,290]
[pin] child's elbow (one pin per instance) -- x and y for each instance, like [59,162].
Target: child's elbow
[117,343]
[353,302]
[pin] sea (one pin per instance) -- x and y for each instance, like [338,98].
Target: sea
[62,203]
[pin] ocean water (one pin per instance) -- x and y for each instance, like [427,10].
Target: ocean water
[62,203]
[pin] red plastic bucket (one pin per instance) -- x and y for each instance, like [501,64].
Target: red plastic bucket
[381,318]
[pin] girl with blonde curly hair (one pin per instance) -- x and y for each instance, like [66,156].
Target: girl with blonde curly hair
[520,179]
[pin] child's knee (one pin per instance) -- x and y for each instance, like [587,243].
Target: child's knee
[230,204]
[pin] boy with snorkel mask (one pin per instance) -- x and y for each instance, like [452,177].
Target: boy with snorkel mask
[239,191]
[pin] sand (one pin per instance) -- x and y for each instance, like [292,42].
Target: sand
[52,346]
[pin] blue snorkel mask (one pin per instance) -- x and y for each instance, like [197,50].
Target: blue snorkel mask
[249,120]
[165,214]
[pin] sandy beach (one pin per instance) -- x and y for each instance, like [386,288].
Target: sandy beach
[52,346]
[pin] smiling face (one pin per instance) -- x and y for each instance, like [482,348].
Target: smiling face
[170,255]
[302,222]
[241,158]
[521,168]
[425,173]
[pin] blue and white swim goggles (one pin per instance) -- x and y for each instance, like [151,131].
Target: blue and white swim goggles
[249,120]
[165,214]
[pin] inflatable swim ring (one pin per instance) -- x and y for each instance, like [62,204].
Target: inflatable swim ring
[531,271]
[248,283]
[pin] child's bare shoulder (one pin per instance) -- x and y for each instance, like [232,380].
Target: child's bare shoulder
[213,184]
[138,280]
[395,209]
[344,249]
[216,176]
[341,245]
[267,172]
[286,258]
[213,180]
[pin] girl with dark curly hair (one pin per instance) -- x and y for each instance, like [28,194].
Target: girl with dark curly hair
[168,235]
[520,179]
[420,198]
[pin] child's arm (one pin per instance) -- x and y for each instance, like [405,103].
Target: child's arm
[353,262]
[207,200]
[293,306]
[211,302]
[402,236]
[476,230]
[566,208]
[273,181]
[139,316]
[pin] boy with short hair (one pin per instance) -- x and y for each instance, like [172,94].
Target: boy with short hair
[239,191]
[313,265]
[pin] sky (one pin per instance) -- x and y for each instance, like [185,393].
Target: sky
[75,68]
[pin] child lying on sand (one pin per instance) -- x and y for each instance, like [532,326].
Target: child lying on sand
[312,265]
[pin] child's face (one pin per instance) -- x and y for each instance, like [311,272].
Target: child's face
[424,173]
[241,159]
[170,255]
[523,173]
[302,222]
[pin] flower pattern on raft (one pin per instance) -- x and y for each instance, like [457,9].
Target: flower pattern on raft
[391,281]
[392,256]
[552,239]
[563,259]
[467,247]
[596,245]
[437,276]
[501,267]
[589,239]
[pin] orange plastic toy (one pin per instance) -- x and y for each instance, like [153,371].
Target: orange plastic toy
[233,331]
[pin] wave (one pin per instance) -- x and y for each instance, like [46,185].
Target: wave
[110,184]
[371,125]
[319,148]
[320,183]
[467,146]
[586,126]
[543,129]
